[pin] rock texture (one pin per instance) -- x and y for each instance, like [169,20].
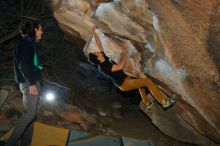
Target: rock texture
[176,42]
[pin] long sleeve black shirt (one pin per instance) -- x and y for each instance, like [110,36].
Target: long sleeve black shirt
[24,68]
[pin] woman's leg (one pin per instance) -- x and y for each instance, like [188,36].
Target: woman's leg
[131,84]
[144,96]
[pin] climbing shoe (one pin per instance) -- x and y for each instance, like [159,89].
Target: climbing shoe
[170,102]
[149,105]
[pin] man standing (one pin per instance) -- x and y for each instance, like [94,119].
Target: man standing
[28,75]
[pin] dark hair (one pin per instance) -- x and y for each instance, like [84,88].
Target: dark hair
[93,59]
[28,28]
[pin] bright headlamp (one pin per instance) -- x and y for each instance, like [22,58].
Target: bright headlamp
[50,96]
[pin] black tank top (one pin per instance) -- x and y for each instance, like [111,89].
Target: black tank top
[117,77]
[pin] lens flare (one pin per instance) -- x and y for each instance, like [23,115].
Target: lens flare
[50,96]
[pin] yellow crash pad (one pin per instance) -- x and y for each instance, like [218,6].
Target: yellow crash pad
[45,135]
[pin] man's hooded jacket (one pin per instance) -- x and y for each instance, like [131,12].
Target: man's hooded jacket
[26,65]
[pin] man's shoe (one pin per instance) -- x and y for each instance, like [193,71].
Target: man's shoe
[170,102]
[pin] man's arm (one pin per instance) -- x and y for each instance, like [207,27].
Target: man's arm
[26,67]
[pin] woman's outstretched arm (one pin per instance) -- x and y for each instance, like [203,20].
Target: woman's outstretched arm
[97,39]
[121,64]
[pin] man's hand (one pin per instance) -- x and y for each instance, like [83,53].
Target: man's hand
[33,90]
[2,115]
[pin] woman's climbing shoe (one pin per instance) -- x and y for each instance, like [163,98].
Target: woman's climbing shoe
[170,102]
[149,105]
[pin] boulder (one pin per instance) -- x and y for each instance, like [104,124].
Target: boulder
[175,42]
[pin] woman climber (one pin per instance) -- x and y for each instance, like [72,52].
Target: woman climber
[127,83]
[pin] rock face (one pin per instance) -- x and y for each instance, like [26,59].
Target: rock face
[176,42]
